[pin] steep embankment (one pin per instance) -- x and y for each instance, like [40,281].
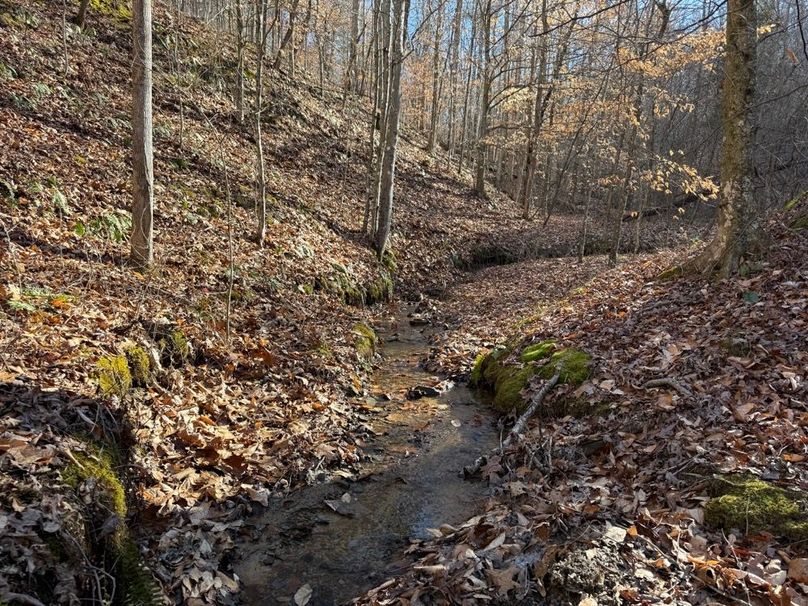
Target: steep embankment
[121,392]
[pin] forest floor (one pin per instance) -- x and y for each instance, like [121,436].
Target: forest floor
[156,418]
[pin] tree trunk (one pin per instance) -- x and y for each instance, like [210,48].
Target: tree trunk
[351,75]
[400,11]
[261,194]
[142,248]
[738,228]
[485,100]
[239,62]
[433,120]
[81,16]
[453,69]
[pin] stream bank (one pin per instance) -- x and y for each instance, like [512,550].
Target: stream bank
[335,540]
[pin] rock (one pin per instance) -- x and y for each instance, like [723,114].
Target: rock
[419,321]
[423,391]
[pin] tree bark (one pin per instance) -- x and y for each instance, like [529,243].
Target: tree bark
[485,100]
[142,245]
[351,72]
[400,11]
[433,120]
[81,16]
[261,194]
[738,229]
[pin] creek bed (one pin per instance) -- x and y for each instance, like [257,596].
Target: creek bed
[412,483]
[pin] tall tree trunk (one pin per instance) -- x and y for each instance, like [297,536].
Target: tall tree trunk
[400,12]
[287,38]
[351,71]
[142,246]
[738,229]
[453,70]
[485,100]
[81,16]
[261,187]
[239,62]
[436,63]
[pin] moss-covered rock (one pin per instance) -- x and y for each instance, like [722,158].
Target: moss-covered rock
[746,503]
[113,376]
[342,285]
[575,369]
[511,380]
[507,376]
[139,366]
[476,375]
[379,290]
[365,341]
[538,351]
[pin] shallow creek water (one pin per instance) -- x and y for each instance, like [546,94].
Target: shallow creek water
[411,483]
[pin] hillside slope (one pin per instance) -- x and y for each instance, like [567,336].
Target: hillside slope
[104,366]
[148,413]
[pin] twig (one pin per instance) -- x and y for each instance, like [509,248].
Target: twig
[520,424]
[668,382]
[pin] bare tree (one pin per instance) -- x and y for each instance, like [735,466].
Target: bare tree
[399,12]
[261,186]
[142,246]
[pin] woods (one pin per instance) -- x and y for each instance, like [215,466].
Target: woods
[413,302]
[541,97]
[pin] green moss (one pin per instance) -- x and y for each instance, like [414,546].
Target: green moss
[118,550]
[800,223]
[575,366]
[746,503]
[493,364]
[342,286]
[100,466]
[476,376]
[497,371]
[139,366]
[175,349]
[114,8]
[379,291]
[538,351]
[511,380]
[364,340]
[389,261]
[114,378]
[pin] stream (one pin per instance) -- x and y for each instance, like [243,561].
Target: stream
[344,537]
